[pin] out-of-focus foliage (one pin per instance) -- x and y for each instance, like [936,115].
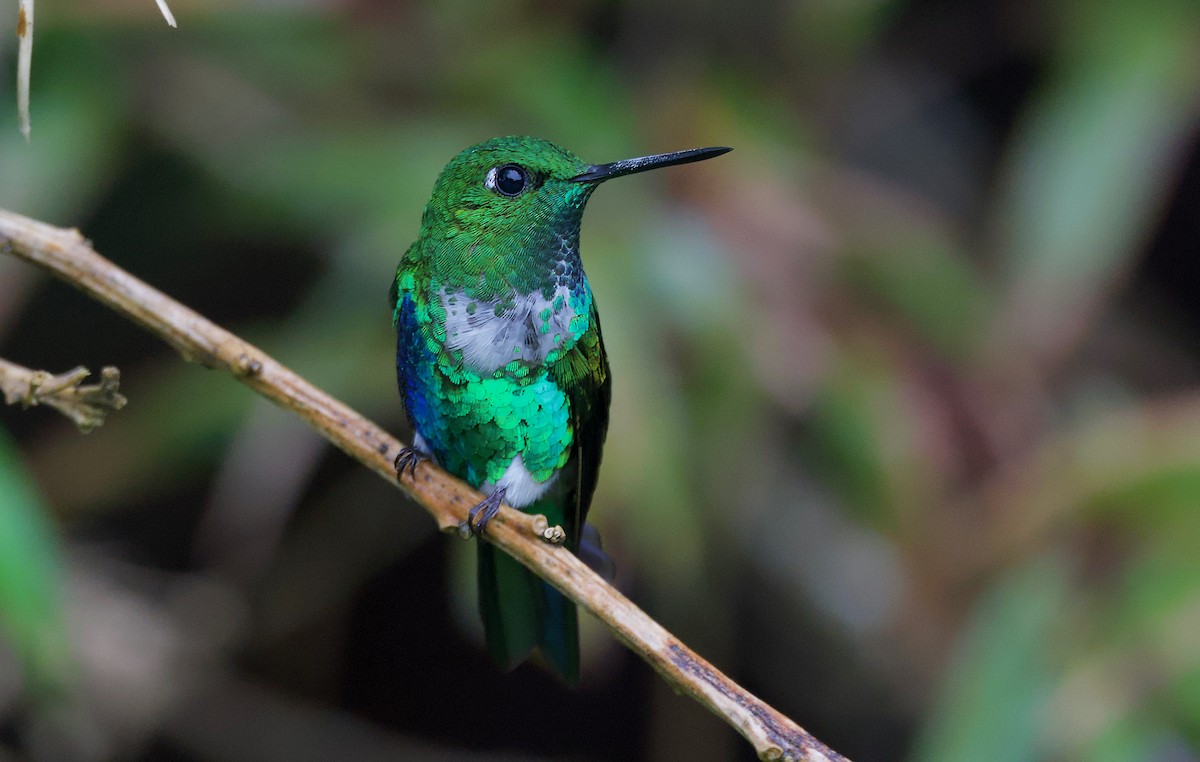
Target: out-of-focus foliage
[30,600]
[906,424]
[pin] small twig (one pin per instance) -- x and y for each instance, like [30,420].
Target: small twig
[24,62]
[166,12]
[25,56]
[69,256]
[86,405]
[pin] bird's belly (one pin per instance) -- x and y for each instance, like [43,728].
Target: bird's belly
[497,432]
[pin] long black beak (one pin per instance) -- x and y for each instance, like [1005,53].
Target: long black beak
[600,172]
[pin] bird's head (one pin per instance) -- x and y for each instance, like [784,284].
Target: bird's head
[507,209]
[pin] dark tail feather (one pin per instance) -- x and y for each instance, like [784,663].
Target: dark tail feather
[521,612]
[591,552]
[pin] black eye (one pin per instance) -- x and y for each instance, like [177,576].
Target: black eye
[509,180]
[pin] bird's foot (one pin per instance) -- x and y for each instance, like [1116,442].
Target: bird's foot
[408,458]
[479,516]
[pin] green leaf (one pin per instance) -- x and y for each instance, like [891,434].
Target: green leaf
[1131,740]
[920,273]
[1093,158]
[846,429]
[76,115]
[31,615]
[997,688]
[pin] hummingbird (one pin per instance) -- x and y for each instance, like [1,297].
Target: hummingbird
[501,365]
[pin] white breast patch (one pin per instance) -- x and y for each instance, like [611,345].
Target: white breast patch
[529,330]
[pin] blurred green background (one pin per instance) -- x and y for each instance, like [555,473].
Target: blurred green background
[906,423]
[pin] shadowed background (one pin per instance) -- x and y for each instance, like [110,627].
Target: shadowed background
[906,422]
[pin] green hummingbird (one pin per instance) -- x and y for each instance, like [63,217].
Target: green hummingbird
[501,365]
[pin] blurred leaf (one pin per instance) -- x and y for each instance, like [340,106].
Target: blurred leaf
[1162,581]
[848,442]
[77,106]
[31,615]
[830,31]
[1185,697]
[995,693]
[1089,165]
[1130,740]
[1135,466]
[1163,497]
[929,281]
[302,54]
[867,437]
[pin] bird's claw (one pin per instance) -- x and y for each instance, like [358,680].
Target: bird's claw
[408,458]
[479,516]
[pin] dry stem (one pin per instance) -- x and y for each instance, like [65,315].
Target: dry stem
[68,255]
[166,12]
[86,405]
[24,62]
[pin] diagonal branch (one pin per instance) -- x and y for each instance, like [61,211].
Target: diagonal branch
[69,256]
[86,405]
